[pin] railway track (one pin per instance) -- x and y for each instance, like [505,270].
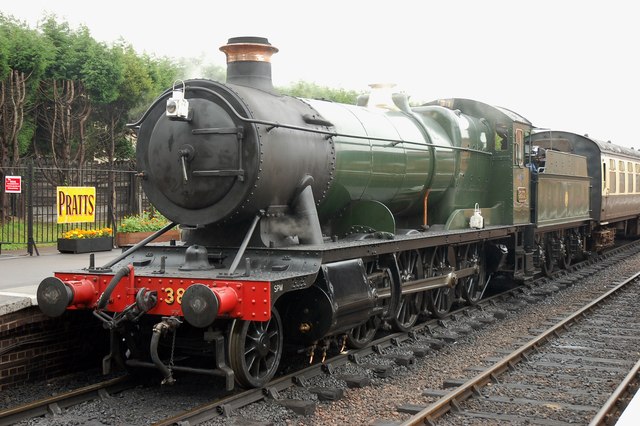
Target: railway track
[400,348]
[576,370]
[55,404]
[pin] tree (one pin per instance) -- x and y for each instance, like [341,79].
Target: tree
[303,89]
[65,106]
[24,56]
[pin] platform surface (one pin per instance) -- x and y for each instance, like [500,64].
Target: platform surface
[20,273]
[631,414]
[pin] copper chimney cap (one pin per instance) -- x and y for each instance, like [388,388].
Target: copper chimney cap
[242,49]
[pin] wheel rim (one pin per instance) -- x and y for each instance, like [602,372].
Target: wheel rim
[255,349]
[359,337]
[411,268]
[565,254]
[473,286]
[546,262]
[439,300]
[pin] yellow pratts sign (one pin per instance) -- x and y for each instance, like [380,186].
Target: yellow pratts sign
[76,204]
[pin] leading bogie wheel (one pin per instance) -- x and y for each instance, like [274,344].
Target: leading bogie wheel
[360,336]
[255,350]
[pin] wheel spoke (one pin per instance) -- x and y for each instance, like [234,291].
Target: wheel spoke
[472,287]
[410,268]
[439,300]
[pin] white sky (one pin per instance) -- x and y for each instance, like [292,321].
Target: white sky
[569,65]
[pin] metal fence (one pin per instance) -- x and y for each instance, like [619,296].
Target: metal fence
[30,217]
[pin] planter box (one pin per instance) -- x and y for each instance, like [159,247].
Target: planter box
[85,245]
[131,238]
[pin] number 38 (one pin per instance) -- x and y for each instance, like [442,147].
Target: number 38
[173,296]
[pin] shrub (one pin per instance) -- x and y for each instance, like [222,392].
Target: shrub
[144,222]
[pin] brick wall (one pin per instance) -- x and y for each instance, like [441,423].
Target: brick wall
[36,347]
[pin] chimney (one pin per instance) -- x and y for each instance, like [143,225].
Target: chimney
[249,62]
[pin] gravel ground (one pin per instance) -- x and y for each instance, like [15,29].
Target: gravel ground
[359,406]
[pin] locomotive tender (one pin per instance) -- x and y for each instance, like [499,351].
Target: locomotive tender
[313,224]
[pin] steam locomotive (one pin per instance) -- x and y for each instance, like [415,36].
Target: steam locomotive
[311,223]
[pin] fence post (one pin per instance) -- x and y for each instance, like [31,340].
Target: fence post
[30,242]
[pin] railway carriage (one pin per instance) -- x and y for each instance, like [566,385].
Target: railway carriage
[313,223]
[614,182]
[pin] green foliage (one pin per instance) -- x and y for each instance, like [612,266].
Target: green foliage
[23,49]
[144,222]
[303,89]
[103,73]
[137,83]
[214,72]
[163,72]
[4,49]
[119,84]
[26,135]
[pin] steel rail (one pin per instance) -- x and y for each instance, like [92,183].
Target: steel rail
[604,415]
[462,392]
[53,404]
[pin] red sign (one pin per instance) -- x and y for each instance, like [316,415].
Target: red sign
[13,184]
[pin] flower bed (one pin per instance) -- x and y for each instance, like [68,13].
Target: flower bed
[88,245]
[86,240]
[130,238]
[136,228]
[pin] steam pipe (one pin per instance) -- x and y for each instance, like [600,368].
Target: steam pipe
[138,245]
[425,223]
[153,349]
[304,207]
[104,297]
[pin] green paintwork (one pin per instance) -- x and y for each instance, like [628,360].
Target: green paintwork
[483,168]
[521,195]
[368,169]
[362,217]
[562,189]
[459,219]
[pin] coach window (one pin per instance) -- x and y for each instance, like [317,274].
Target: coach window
[622,177]
[629,177]
[637,177]
[613,176]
